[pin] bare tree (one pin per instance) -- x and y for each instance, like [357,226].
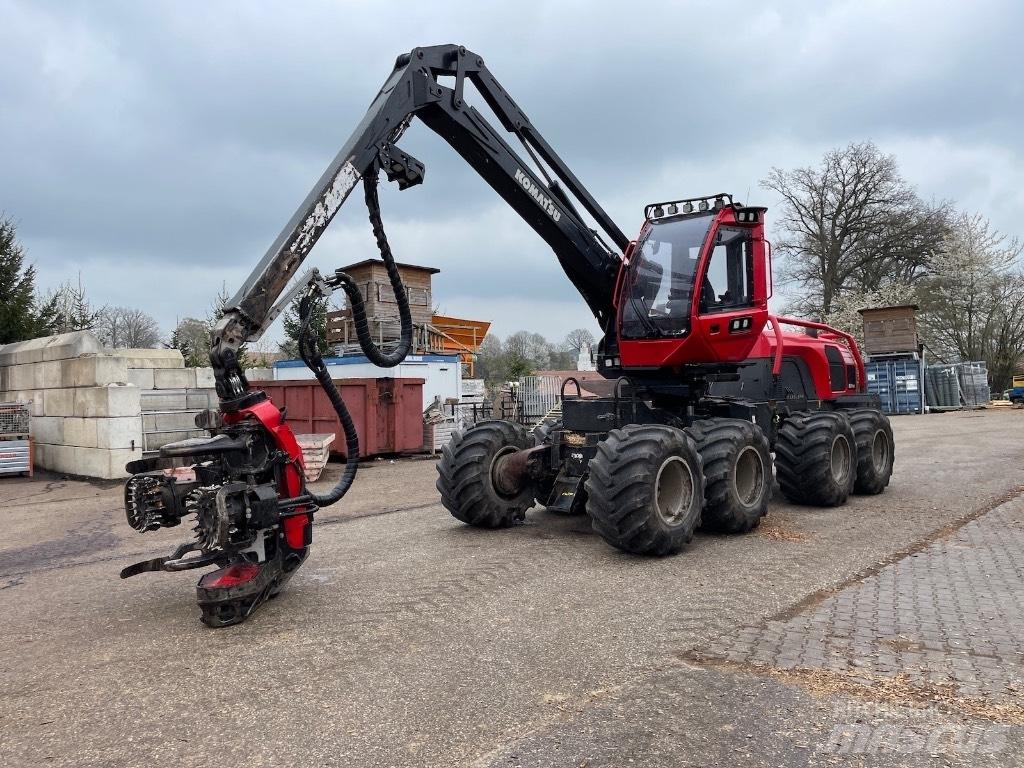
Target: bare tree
[579,338]
[531,348]
[852,224]
[973,300]
[120,327]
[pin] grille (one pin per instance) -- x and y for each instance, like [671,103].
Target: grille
[14,418]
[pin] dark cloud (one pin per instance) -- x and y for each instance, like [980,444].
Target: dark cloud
[159,147]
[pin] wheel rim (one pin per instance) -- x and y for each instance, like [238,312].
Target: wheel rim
[840,459]
[493,475]
[880,451]
[673,489]
[748,478]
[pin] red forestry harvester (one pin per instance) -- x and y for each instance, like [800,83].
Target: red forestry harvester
[706,383]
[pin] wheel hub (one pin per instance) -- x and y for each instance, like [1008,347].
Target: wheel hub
[879,451]
[840,459]
[674,489]
[748,478]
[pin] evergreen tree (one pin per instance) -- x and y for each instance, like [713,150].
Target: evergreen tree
[192,337]
[318,327]
[71,310]
[21,316]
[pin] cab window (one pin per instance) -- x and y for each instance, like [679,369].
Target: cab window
[729,281]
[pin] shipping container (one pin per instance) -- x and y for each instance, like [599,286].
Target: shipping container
[898,382]
[441,374]
[388,413]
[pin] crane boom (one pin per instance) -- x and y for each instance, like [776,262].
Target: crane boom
[414,89]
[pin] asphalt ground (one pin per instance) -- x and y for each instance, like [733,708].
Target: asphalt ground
[409,639]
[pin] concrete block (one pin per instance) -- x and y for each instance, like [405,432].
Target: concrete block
[141,377]
[123,432]
[259,374]
[114,400]
[47,375]
[204,378]
[32,397]
[153,358]
[61,347]
[48,429]
[94,371]
[23,376]
[174,378]
[155,400]
[21,352]
[68,345]
[80,432]
[200,399]
[103,463]
[183,420]
[58,402]
[5,378]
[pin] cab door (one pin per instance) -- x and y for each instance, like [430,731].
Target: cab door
[731,301]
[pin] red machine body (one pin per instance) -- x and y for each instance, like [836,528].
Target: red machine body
[298,527]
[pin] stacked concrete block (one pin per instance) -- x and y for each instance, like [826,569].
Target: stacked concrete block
[260,374]
[86,415]
[172,395]
[96,409]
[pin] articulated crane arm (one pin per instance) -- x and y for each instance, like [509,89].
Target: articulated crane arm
[414,89]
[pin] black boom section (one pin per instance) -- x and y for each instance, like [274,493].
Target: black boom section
[413,90]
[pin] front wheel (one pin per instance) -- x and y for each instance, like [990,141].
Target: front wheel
[816,458]
[466,477]
[645,490]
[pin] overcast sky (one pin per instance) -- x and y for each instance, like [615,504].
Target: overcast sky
[159,147]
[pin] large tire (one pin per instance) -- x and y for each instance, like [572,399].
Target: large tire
[816,458]
[875,450]
[645,489]
[737,473]
[465,480]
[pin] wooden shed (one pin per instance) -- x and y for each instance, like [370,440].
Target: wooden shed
[381,309]
[890,329]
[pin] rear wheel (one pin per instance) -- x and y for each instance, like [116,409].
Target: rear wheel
[646,489]
[466,475]
[875,450]
[816,458]
[737,473]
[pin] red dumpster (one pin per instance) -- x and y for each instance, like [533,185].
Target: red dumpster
[388,413]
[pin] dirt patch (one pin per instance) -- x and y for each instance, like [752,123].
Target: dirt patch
[899,690]
[780,528]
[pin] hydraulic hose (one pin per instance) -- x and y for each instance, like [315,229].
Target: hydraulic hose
[355,296]
[309,350]
[310,353]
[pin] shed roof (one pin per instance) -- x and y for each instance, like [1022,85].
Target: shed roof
[885,309]
[402,265]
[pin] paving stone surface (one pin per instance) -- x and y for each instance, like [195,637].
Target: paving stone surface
[949,616]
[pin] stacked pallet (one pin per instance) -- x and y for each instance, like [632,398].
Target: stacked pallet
[316,449]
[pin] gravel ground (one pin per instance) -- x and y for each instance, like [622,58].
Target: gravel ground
[408,639]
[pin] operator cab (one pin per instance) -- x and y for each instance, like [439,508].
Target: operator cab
[694,287]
